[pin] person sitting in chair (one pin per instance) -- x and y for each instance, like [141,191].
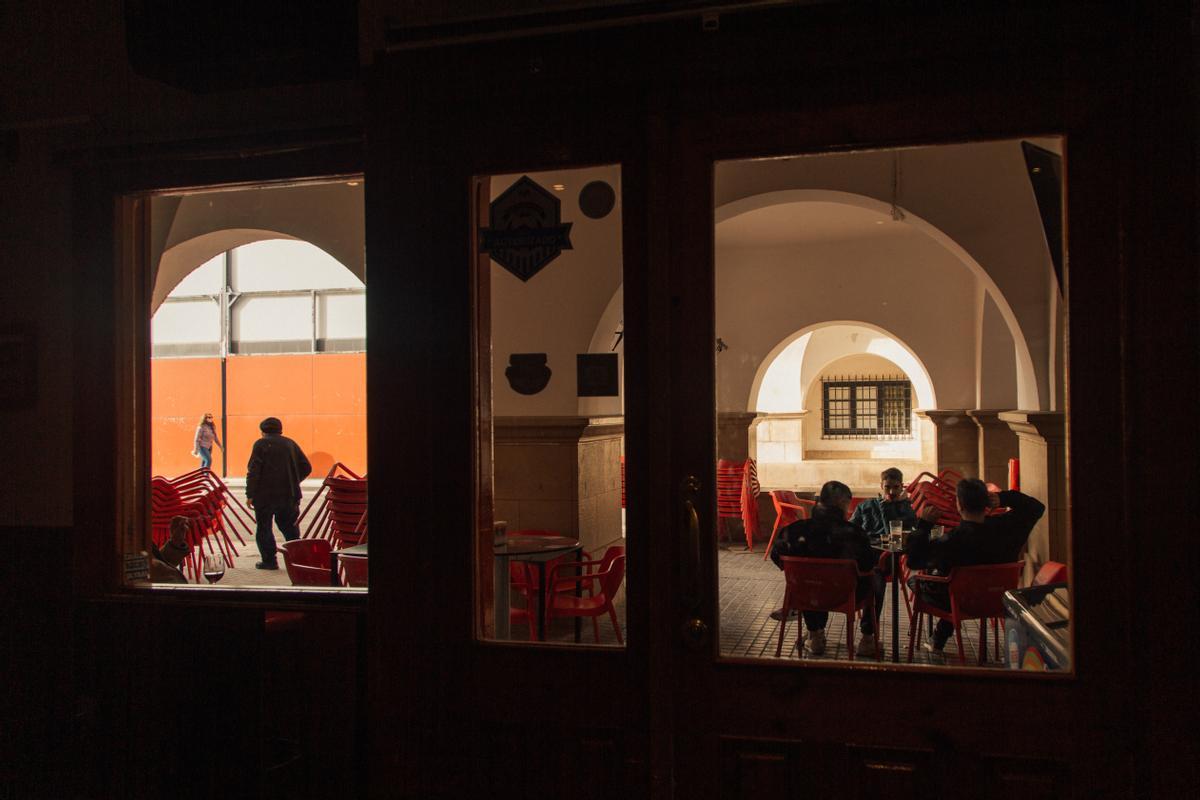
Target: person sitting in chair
[979,539]
[828,535]
[874,515]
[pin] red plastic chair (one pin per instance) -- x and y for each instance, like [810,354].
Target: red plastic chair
[307,561]
[788,509]
[824,584]
[353,569]
[975,593]
[1051,572]
[603,577]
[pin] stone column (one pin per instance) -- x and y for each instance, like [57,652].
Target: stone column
[1043,448]
[561,474]
[733,434]
[997,444]
[957,440]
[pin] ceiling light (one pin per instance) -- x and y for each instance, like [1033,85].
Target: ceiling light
[352,183]
[558,187]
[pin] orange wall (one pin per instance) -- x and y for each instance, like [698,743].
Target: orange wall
[321,399]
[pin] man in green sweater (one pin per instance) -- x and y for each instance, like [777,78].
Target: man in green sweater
[874,515]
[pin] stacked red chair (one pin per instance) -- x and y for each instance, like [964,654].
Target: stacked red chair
[788,509]
[213,512]
[338,511]
[737,495]
[940,491]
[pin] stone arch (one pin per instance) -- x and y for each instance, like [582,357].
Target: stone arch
[1027,386]
[910,362]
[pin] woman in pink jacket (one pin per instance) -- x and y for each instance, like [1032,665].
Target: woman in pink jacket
[202,444]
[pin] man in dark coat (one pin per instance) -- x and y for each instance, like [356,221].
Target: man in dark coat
[979,539]
[829,535]
[277,466]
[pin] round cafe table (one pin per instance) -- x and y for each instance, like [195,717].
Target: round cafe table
[535,551]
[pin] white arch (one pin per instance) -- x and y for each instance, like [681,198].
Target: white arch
[1027,389]
[904,358]
[178,260]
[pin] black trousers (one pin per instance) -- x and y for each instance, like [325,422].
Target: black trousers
[816,620]
[264,536]
[935,594]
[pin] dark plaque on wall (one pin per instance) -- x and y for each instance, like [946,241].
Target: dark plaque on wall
[525,230]
[527,373]
[597,199]
[597,375]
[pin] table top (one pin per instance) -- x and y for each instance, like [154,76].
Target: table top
[356,550]
[535,545]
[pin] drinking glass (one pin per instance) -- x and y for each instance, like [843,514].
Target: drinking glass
[895,532]
[936,532]
[214,567]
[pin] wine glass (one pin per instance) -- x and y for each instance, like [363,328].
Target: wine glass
[214,567]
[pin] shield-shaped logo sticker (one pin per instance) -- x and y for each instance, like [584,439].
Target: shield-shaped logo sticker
[525,231]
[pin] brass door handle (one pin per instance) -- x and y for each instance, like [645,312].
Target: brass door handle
[690,546]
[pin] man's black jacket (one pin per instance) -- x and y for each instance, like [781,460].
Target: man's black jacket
[277,465]
[826,535]
[997,540]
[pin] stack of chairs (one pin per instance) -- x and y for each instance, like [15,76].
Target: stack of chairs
[213,512]
[338,511]
[737,493]
[939,491]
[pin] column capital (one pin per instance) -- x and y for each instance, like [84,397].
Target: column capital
[944,416]
[1050,426]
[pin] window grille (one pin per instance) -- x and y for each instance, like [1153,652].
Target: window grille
[866,408]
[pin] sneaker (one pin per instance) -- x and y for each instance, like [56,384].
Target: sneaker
[777,614]
[266,565]
[866,646]
[816,642]
[933,652]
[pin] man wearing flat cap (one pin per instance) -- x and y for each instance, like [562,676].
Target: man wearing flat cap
[277,465]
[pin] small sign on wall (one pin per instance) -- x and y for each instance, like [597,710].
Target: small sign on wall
[525,231]
[597,375]
[137,567]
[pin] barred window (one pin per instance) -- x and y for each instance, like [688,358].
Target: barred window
[870,408]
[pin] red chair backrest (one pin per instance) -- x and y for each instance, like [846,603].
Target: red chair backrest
[354,569]
[819,584]
[614,562]
[978,592]
[789,515]
[307,552]
[1051,572]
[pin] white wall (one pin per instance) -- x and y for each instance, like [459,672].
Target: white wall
[977,194]
[902,282]
[559,310]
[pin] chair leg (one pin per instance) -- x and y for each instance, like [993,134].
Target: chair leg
[983,626]
[962,654]
[996,637]
[771,541]
[914,626]
[782,629]
[612,614]
[850,620]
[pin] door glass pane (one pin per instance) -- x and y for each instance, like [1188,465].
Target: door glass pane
[551,552]
[894,331]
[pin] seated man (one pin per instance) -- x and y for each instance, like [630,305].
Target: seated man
[165,561]
[979,539]
[874,515]
[828,535]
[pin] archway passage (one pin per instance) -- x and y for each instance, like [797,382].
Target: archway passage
[272,328]
[797,436]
